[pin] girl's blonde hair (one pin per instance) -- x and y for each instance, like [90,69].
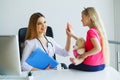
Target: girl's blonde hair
[97,22]
[32,31]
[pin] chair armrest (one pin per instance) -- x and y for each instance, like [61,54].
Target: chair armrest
[63,66]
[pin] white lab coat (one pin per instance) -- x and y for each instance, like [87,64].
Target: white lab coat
[31,45]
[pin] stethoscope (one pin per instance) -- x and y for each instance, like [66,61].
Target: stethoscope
[48,42]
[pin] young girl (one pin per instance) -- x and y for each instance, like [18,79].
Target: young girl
[96,55]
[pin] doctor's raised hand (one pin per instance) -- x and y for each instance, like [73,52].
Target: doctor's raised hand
[70,32]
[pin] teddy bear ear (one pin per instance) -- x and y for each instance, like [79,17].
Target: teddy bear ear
[82,39]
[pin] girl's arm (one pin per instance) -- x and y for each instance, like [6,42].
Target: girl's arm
[74,36]
[96,49]
[69,32]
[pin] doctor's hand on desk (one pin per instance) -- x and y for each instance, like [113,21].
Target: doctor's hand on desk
[47,68]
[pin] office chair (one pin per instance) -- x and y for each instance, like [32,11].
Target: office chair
[22,34]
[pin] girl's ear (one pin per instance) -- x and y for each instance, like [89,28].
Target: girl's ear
[88,18]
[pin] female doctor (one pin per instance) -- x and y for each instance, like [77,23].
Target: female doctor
[35,38]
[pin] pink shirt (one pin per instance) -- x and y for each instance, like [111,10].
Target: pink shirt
[96,59]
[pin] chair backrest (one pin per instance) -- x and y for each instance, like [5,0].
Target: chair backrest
[22,34]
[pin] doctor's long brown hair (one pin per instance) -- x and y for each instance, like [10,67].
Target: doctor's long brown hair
[32,31]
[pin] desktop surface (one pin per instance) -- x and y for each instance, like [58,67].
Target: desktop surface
[12,77]
[66,74]
[108,73]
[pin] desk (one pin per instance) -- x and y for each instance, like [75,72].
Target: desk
[108,73]
[12,77]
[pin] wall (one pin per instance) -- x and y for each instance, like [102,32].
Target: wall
[117,29]
[15,14]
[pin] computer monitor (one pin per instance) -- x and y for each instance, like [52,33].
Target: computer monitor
[9,55]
